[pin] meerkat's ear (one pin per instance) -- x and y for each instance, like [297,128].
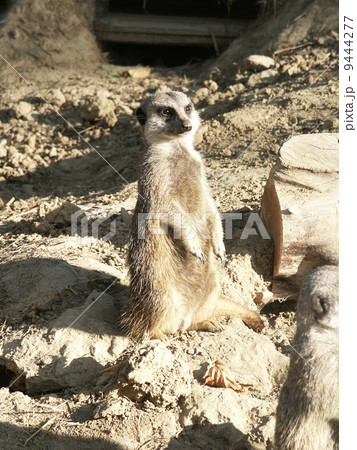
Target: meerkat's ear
[141,116]
[320,306]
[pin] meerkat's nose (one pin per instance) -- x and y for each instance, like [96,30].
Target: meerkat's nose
[186,126]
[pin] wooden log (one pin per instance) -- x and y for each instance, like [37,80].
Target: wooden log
[151,29]
[300,209]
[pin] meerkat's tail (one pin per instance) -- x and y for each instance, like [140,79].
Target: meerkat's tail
[227,307]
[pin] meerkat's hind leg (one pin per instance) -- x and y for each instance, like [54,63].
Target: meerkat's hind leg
[212,325]
[227,307]
[161,336]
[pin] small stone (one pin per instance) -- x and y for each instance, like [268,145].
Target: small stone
[275,148]
[97,108]
[263,297]
[15,159]
[138,72]
[53,152]
[64,140]
[32,141]
[19,138]
[3,148]
[211,85]
[63,214]
[110,120]
[43,227]
[259,62]
[265,77]
[55,97]
[22,109]
[293,70]
[236,88]
[202,93]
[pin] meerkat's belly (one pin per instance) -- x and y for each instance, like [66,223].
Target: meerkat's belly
[190,286]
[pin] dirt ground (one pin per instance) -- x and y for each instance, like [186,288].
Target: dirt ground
[69,143]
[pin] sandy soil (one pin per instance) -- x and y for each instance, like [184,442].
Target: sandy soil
[86,162]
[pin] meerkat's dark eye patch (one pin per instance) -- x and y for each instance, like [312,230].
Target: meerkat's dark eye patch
[188,108]
[141,116]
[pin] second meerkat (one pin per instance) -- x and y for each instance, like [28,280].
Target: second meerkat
[176,233]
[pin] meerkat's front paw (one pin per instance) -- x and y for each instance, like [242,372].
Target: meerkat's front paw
[199,255]
[220,251]
[196,250]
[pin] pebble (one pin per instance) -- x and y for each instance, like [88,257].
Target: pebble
[55,97]
[211,85]
[263,297]
[22,109]
[259,62]
[32,141]
[3,148]
[53,152]
[99,107]
[236,88]
[266,77]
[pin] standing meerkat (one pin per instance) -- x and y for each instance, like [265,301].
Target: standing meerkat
[176,233]
[308,413]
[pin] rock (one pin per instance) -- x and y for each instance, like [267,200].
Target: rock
[15,159]
[31,142]
[291,69]
[138,72]
[56,98]
[110,120]
[19,137]
[122,108]
[99,107]
[223,411]
[151,371]
[202,93]
[262,437]
[211,85]
[38,283]
[53,362]
[259,62]
[3,148]
[43,227]
[158,422]
[63,214]
[53,152]
[236,88]
[262,298]
[118,407]
[21,110]
[265,77]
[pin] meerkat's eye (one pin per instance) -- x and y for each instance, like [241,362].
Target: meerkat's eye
[188,108]
[166,112]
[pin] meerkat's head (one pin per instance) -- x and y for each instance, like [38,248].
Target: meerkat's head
[318,303]
[167,116]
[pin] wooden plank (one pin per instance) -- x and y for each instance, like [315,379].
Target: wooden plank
[158,39]
[166,29]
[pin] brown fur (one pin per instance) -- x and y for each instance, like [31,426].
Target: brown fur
[174,284]
[307,414]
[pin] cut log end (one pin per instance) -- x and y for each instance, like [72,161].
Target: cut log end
[300,209]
